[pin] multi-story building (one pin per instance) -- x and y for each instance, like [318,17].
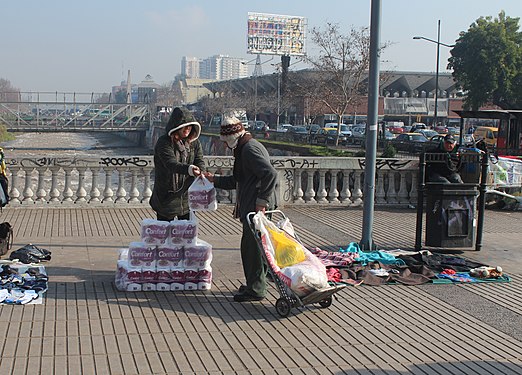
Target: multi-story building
[217,67]
[190,67]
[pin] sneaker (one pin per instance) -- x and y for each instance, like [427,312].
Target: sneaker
[247,297]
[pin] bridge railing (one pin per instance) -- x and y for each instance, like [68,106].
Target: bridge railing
[51,181]
[74,116]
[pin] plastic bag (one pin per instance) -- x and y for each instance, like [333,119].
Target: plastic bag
[287,251]
[301,278]
[202,195]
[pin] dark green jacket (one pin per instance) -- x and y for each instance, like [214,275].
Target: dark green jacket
[171,178]
[253,176]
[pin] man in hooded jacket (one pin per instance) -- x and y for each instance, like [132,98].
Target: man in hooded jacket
[254,179]
[178,158]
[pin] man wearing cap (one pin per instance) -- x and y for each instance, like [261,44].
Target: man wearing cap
[254,179]
[178,158]
[444,164]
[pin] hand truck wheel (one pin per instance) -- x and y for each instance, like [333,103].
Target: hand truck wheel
[283,307]
[327,302]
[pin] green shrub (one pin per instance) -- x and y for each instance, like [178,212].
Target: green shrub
[5,135]
[389,151]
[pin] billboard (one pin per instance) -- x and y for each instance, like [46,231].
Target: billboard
[274,34]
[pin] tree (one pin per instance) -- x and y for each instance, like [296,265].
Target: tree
[487,63]
[8,92]
[341,64]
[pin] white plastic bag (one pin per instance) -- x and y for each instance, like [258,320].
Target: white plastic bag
[302,278]
[202,195]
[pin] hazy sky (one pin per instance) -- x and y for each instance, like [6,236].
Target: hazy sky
[88,46]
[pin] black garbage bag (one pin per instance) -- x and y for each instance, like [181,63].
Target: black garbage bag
[31,254]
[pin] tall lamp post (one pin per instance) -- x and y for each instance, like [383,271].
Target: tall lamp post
[438,43]
[278,67]
[257,72]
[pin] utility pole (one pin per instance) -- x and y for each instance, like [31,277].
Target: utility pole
[371,129]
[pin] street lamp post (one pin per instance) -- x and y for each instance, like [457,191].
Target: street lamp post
[438,43]
[278,97]
[257,72]
[278,72]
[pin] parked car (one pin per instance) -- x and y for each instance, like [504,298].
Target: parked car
[313,129]
[434,141]
[327,136]
[418,125]
[283,128]
[258,125]
[441,129]
[345,129]
[409,142]
[297,134]
[426,132]
[395,129]
[388,135]
[358,134]
[488,134]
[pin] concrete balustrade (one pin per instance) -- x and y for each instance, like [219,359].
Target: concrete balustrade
[128,180]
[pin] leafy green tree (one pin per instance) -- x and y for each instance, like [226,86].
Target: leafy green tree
[487,62]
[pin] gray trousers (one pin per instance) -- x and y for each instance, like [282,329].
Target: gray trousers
[254,265]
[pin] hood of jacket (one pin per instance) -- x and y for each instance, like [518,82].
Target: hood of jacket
[180,118]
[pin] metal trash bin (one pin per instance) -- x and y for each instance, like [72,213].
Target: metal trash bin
[470,165]
[450,214]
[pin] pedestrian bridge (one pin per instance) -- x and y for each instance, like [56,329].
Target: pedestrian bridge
[70,115]
[127,180]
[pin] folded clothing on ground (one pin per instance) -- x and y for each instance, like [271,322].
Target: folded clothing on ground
[30,254]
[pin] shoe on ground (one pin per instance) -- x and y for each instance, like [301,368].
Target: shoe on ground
[242,289]
[247,297]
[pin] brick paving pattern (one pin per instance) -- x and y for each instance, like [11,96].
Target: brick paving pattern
[86,326]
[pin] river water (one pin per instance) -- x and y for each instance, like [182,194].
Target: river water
[33,145]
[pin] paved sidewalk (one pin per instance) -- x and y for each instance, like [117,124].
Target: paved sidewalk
[86,326]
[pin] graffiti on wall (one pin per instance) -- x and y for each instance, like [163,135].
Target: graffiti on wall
[131,161]
[392,164]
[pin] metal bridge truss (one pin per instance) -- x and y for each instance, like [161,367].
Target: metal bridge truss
[53,116]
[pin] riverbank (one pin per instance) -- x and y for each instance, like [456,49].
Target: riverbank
[71,144]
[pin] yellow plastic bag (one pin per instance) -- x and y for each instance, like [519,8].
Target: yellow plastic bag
[287,251]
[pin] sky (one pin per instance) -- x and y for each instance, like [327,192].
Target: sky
[88,46]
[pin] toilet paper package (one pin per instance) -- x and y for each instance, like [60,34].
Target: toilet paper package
[198,255]
[204,278]
[178,279]
[154,232]
[142,255]
[191,279]
[169,256]
[183,232]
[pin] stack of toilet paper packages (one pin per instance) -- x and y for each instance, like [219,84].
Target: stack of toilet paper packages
[168,257]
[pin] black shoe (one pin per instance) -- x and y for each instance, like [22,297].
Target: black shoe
[242,289]
[247,297]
